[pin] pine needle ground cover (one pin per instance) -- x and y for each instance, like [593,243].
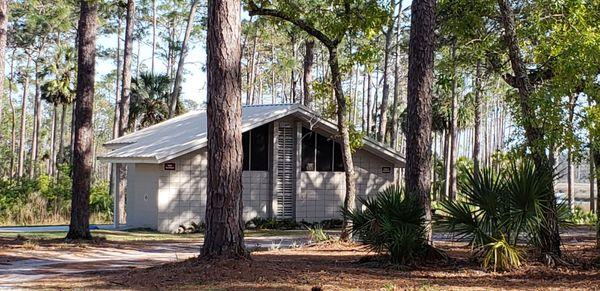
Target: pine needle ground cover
[332,266]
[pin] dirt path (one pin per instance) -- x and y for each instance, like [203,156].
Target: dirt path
[24,263]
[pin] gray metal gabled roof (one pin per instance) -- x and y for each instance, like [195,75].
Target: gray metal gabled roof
[186,133]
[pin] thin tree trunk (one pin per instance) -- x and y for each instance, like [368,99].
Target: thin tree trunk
[389,36]
[53,135]
[251,72]
[179,75]
[420,82]
[362,108]
[293,97]
[61,144]
[13,118]
[447,162]
[84,134]
[153,35]
[550,236]
[477,116]
[309,57]
[570,169]
[224,236]
[369,119]
[21,167]
[117,107]
[454,138]
[394,111]
[3,34]
[124,104]
[37,119]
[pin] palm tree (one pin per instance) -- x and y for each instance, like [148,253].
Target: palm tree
[150,96]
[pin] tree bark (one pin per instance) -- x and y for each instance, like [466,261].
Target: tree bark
[117,107]
[224,236]
[453,128]
[52,162]
[84,134]
[3,30]
[420,81]
[124,104]
[394,111]
[570,169]
[477,116]
[179,75]
[252,72]
[389,36]
[343,129]
[550,237]
[21,167]
[592,177]
[369,118]
[153,36]
[309,57]
[37,119]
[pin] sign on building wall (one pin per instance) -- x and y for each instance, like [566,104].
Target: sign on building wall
[169,166]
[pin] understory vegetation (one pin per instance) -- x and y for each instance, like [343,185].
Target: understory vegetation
[44,200]
[499,212]
[392,223]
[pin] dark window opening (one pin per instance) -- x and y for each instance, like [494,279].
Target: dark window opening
[246,146]
[338,161]
[320,153]
[324,154]
[256,149]
[308,150]
[259,149]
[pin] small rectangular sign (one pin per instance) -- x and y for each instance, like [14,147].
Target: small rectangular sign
[169,166]
[386,170]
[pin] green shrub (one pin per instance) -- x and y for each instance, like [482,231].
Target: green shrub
[391,223]
[272,223]
[501,256]
[581,217]
[317,234]
[498,209]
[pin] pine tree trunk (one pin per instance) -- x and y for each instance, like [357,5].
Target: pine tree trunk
[52,161]
[224,236]
[477,116]
[37,119]
[84,134]
[389,36]
[153,36]
[179,75]
[454,138]
[293,97]
[251,72]
[124,104]
[593,207]
[309,57]
[447,162]
[3,34]
[420,82]
[117,107]
[394,111]
[21,167]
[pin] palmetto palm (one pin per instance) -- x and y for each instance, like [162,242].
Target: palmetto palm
[150,99]
[59,90]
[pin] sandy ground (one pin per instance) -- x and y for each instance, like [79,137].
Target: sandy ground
[330,266]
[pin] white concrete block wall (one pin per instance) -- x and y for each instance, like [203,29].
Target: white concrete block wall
[256,194]
[182,192]
[322,193]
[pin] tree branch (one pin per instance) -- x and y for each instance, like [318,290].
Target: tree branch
[301,23]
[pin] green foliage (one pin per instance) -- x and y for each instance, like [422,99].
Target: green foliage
[48,201]
[150,95]
[500,255]
[272,223]
[499,207]
[391,223]
[582,217]
[317,234]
